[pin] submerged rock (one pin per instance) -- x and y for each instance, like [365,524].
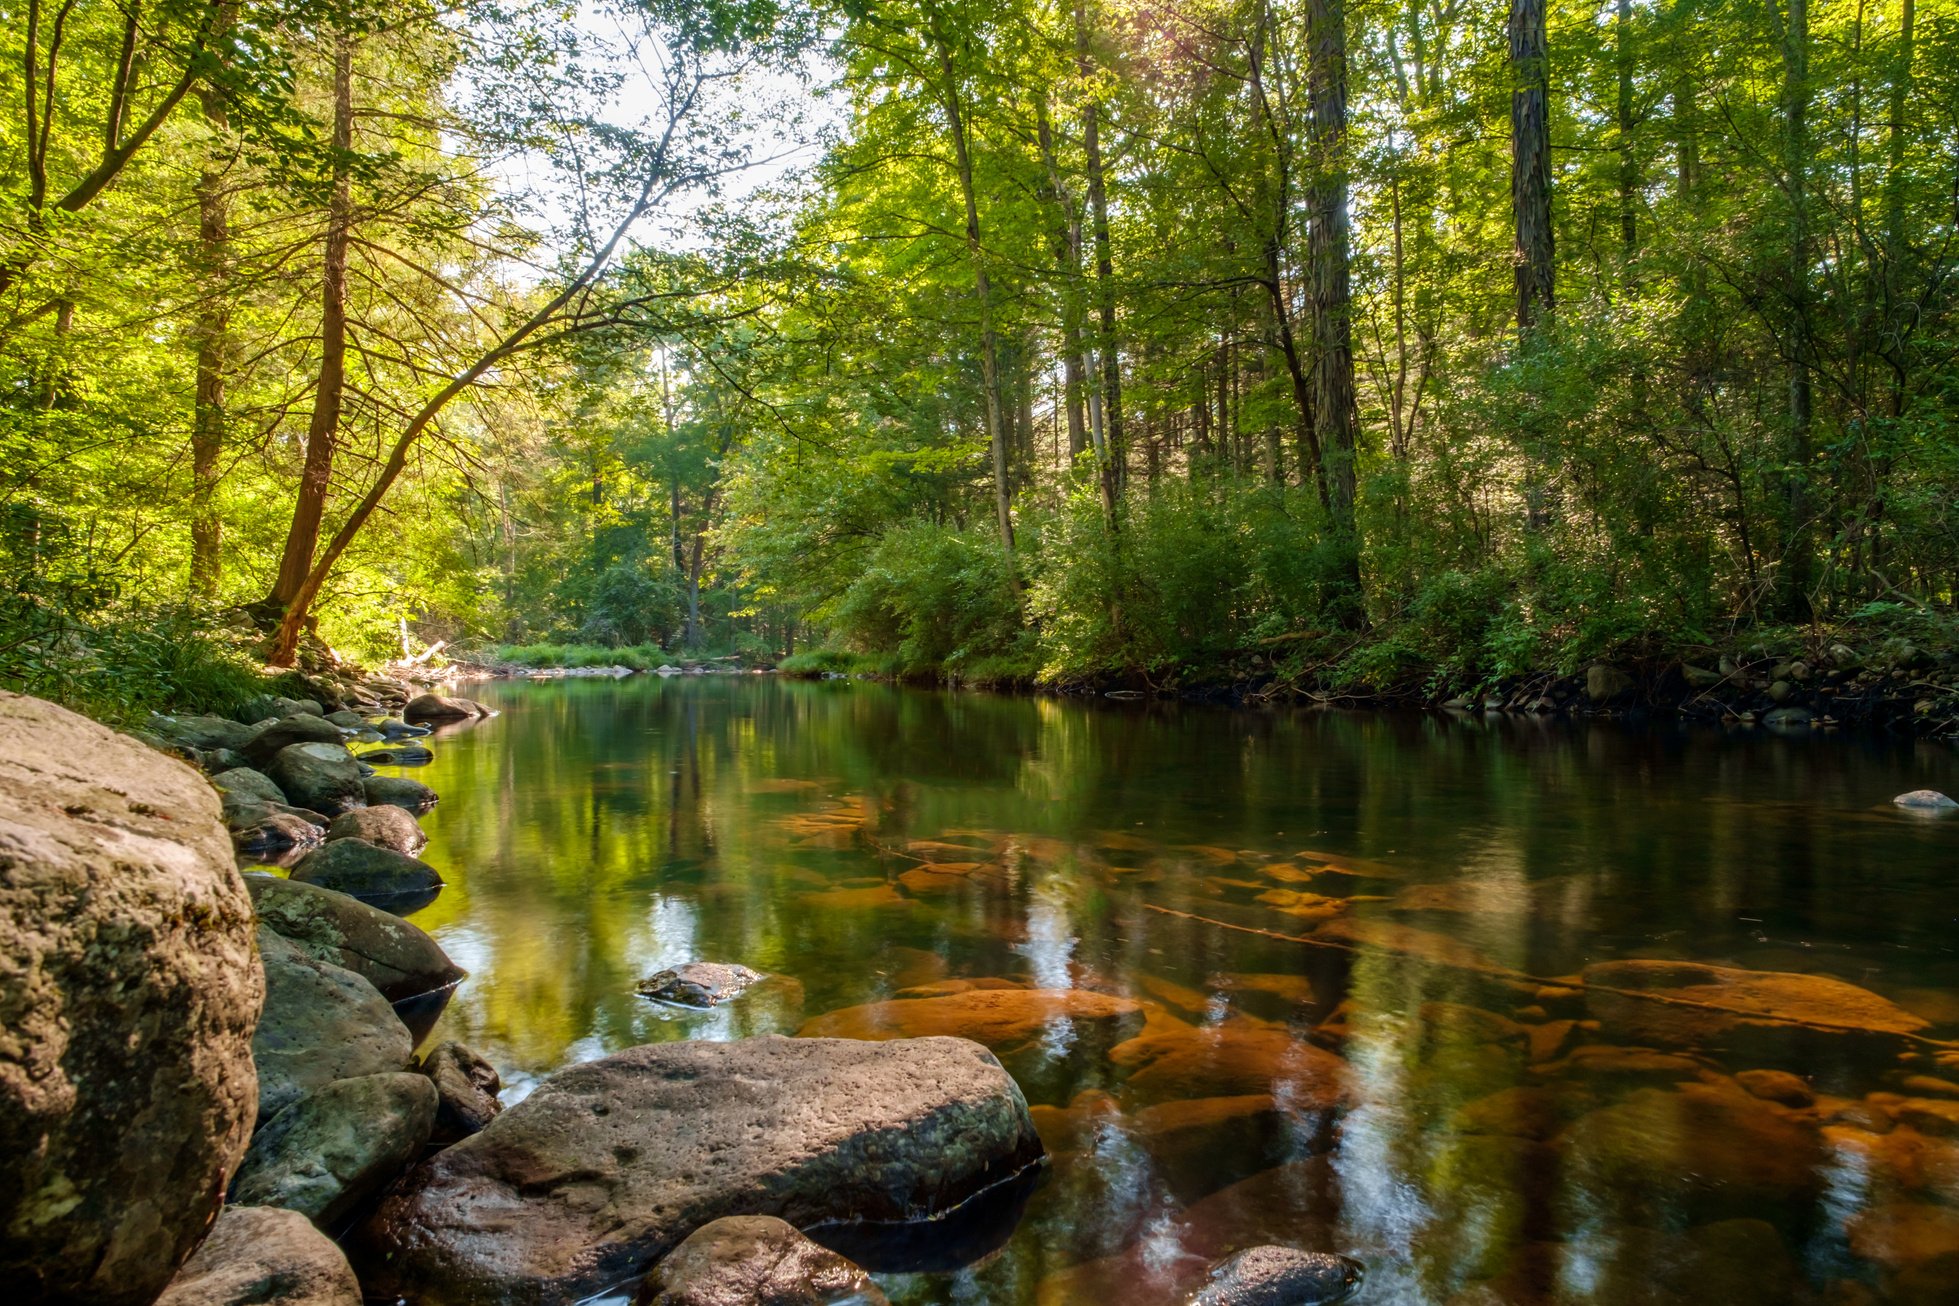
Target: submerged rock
[1926,800]
[321,1023]
[754,1260]
[261,1256]
[398,755]
[466,1087]
[1281,1276]
[1009,1021]
[398,791]
[322,777]
[386,826]
[336,1146]
[1232,1060]
[366,871]
[128,992]
[393,729]
[394,956]
[698,983]
[1700,1006]
[606,1167]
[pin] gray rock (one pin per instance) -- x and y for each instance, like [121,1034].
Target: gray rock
[588,1182]
[386,826]
[466,1086]
[399,755]
[1604,683]
[128,992]
[393,729]
[396,791]
[1781,691]
[348,720]
[1281,1276]
[1787,717]
[335,1147]
[322,1022]
[200,732]
[698,983]
[247,783]
[323,777]
[217,761]
[269,830]
[435,707]
[1930,800]
[755,1260]
[366,871]
[394,956]
[271,736]
[258,1256]
[270,707]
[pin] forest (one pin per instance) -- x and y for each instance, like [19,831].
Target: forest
[1370,345]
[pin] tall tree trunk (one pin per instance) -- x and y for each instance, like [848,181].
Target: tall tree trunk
[323,432]
[1795,574]
[1628,161]
[1335,412]
[1895,236]
[212,331]
[1067,242]
[1116,461]
[1530,160]
[996,435]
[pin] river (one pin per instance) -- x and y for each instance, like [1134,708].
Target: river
[1265,892]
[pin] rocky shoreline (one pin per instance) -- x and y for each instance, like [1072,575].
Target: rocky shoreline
[216,1076]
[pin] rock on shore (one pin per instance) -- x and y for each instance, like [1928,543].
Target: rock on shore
[259,1256]
[336,1146]
[128,993]
[366,871]
[755,1260]
[321,1023]
[394,956]
[589,1181]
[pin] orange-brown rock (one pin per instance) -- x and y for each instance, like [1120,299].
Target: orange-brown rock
[1230,1060]
[1420,945]
[1006,1020]
[1904,1234]
[1687,1004]
[1777,1086]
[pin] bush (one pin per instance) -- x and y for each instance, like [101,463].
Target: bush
[639,657]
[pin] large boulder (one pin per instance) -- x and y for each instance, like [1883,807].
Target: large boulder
[398,791]
[755,1260]
[364,870]
[273,737]
[204,733]
[335,1147]
[386,826]
[321,777]
[598,1174]
[321,1023]
[435,707]
[259,1256]
[395,957]
[128,993]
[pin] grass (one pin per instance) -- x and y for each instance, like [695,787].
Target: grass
[120,667]
[639,657]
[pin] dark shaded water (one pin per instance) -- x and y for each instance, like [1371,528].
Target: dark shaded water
[1331,941]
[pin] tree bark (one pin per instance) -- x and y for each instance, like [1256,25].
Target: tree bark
[1530,161]
[323,431]
[1335,411]
[212,331]
[1794,577]
[1115,462]
[1068,261]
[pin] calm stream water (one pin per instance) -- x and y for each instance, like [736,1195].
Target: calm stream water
[1484,1135]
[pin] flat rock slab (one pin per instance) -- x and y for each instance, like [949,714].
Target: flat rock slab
[1687,1004]
[321,1023]
[588,1182]
[258,1256]
[1280,1276]
[128,992]
[755,1260]
[698,983]
[1009,1021]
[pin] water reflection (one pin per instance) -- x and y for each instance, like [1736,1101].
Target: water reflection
[1353,983]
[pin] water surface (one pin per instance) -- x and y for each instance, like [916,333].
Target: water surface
[1346,954]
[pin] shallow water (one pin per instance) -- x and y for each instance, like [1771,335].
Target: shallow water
[1331,942]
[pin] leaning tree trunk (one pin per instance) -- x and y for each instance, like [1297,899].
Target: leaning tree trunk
[1334,407]
[1530,160]
[323,432]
